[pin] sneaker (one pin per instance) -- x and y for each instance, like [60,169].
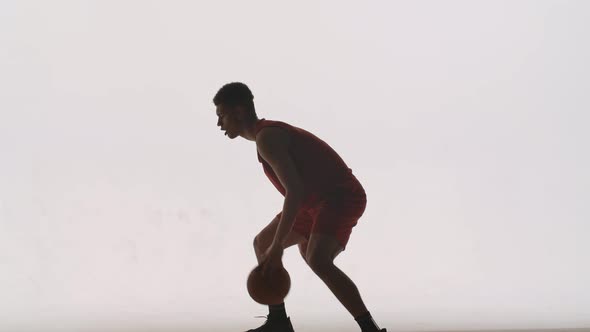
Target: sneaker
[279,325]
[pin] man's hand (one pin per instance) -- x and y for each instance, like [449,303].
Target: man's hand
[271,260]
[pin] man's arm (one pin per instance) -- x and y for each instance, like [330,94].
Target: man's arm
[272,144]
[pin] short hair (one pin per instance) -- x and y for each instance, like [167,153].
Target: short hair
[236,94]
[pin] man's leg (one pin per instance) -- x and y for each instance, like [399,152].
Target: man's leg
[320,254]
[321,251]
[277,315]
[265,237]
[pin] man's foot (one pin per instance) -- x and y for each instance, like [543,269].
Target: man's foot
[274,325]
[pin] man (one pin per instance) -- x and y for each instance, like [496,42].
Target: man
[323,201]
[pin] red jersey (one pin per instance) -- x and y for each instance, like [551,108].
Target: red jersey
[321,169]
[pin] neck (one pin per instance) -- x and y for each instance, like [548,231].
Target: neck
[249,132]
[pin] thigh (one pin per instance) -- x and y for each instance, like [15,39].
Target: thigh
[322,249]
[337,217]
[303,224]
[267,234]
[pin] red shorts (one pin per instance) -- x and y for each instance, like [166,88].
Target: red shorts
[335,215]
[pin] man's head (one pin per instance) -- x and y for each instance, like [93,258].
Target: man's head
[235,108]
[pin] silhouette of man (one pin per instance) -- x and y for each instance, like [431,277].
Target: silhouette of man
[323,201]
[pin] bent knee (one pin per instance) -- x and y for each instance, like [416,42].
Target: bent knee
[260,245]
[318,264]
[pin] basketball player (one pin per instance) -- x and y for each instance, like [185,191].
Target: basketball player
[323,201]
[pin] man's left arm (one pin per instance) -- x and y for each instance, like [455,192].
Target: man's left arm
[273,147]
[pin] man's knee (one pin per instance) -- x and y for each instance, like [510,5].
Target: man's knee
[261,243]
[318,264]
[258,245]
[321,261]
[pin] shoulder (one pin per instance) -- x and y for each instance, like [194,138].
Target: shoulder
[272,137]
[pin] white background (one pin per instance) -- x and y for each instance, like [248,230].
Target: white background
[123,205]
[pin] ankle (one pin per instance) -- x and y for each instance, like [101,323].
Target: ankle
[366,323]
[277,311]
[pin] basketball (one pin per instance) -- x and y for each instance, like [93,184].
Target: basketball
[269,290]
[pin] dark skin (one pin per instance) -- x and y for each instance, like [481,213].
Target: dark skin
[271,145]
[320,250]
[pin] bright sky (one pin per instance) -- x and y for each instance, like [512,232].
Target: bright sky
[121,202]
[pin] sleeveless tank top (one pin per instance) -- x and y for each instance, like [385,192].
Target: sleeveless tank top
[322,170]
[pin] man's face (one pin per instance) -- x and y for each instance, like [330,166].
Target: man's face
[228,120]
